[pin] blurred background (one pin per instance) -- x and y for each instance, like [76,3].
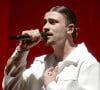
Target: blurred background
[19,15]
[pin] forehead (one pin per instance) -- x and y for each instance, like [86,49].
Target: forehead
[54,15]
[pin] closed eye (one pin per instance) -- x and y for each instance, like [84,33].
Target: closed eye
[50,21]
[53,21]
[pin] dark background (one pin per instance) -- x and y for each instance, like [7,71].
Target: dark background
[19,15]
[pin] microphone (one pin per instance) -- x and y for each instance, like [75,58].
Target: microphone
[27,37]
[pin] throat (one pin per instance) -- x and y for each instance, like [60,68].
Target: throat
[63,49]
[60,55]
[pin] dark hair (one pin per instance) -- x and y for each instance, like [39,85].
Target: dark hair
[68,14]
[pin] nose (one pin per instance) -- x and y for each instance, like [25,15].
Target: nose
[46,27]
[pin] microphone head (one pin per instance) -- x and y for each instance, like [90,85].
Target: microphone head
[44,35]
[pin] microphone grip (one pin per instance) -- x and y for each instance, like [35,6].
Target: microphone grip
[20,37]
[27,37]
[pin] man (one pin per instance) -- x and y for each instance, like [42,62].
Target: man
[69,67]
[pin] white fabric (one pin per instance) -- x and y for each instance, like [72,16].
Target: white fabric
[79,71]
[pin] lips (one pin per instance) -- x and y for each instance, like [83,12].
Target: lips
[49,34]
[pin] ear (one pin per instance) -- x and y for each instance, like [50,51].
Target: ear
[70,28]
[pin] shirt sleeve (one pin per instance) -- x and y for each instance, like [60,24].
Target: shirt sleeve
[16,64]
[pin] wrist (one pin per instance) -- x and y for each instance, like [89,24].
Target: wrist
[47,82]
[51,86]
[21,49]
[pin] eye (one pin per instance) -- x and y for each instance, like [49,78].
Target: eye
[53,22]
[44,22]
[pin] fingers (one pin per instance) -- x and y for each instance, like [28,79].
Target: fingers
[34,34]
[35,38]
[56,69]
[50,75]
[52,71]
[49,70]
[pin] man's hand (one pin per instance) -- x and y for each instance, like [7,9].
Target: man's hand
[50,75]
[35,37]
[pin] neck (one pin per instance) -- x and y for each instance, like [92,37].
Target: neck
[63,49]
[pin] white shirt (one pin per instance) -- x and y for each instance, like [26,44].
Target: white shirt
[79,71]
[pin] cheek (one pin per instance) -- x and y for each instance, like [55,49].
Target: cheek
[57,29]
[61,30]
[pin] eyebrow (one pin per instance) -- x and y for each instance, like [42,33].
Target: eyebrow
[50,19]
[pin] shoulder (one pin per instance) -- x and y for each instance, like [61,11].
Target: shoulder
[89,58]
[88,61]
[85,55]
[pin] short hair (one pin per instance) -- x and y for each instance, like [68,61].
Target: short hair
[68,14]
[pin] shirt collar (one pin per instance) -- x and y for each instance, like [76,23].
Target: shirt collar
[75,55]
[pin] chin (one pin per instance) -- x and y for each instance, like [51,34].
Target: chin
[49,43]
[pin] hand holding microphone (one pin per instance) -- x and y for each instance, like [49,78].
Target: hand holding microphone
[29,38]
